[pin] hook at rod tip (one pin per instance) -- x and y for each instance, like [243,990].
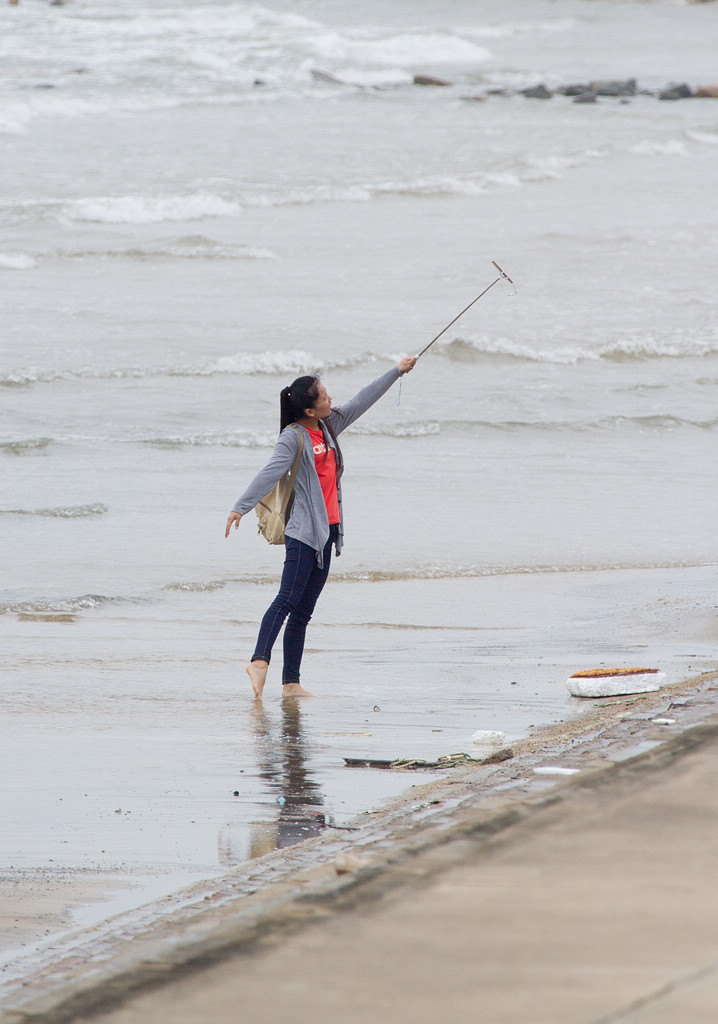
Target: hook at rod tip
[502,272]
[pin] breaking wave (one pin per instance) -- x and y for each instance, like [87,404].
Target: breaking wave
[16,261]
[293,362]
[214,439]
[197,588]
[431,572]
[62,512]
[233,196]
[148,209]
[405,50]
[57,606]
[654,422]
[624,350]
[190,247]
[252,439]
[202,205]
[423,429]
[462,428]
[25,446]
[432,428]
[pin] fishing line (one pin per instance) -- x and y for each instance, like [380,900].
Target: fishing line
[503,276]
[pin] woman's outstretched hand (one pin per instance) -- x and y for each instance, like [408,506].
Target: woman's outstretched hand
[406,364]
[234,517]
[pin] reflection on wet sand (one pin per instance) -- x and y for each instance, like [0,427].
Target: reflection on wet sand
[283,766]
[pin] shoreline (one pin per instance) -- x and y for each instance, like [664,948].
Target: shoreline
[120,797]
[96,968]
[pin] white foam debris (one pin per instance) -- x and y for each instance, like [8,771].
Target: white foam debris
[550,769]
[488,737]
[663,721]
[347,862]
[614,682]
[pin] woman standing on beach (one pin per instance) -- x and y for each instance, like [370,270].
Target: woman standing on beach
[315,522]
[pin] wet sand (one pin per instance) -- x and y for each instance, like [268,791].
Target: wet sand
[271,898]
[588,903]
[125,786]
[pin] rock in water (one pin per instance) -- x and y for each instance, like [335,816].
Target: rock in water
[576,89]
[709,92]
[319,75]
[539,92]
[429,80]
[614,682]
[676,92]
[627,87]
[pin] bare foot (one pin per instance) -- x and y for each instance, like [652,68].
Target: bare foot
[295,690]
[257,672]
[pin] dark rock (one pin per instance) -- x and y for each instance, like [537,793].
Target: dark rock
[499,92]
[319,75]
[505,754]
[626,87]
[428,80]
[574,90]
[474,99]
[676,92]
[538,92]
[585,97]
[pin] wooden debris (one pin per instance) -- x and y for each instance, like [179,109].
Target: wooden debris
[416,763]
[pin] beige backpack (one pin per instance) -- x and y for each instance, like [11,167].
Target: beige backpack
[274,508]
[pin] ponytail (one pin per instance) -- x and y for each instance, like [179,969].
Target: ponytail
[293,400]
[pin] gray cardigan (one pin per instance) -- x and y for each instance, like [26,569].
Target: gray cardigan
[308,521]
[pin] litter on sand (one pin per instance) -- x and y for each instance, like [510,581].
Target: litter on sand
[346,863]
[614,682]
[346,734]
[415,763]
[488,737]
[554,770]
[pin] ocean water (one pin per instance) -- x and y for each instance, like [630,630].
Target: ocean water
[201,201]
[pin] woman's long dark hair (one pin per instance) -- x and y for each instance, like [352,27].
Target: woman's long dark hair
[293,400]
[300,395]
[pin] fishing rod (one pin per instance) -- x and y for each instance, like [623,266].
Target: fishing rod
[502,277]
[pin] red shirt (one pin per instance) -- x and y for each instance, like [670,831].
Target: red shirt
[326,462]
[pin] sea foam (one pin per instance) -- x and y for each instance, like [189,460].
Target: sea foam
[291,362]
[70,605]
[407,49]
[16,261]
[140,209]
[61,512]
[623,349]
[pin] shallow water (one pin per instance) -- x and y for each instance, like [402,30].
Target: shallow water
[180,241]
[146,761]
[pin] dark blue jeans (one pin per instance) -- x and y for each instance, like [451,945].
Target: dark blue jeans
[302,583]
